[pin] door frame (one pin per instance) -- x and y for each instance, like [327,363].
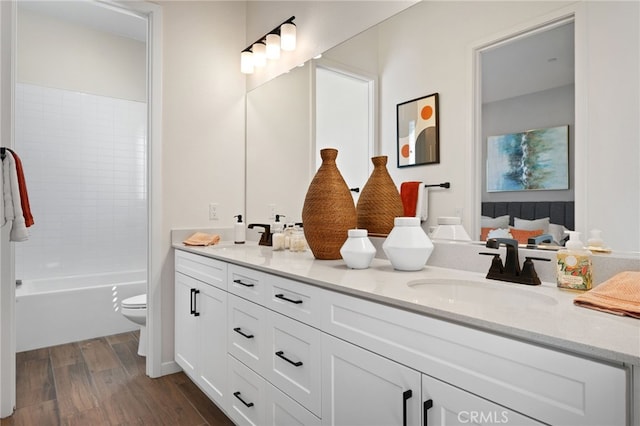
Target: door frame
[8,38]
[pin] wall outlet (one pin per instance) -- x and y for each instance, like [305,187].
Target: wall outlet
[272,211]
[213,211]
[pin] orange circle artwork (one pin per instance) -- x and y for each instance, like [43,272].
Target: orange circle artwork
[426,112]
[405,151]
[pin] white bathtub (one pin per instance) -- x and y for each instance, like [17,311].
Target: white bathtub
[61,310]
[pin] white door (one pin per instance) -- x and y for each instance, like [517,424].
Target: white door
[362,388]
[444,404]
[344,120]
[186,324]
[211,305]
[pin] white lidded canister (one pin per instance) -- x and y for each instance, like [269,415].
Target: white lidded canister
[407,246]
[358,250]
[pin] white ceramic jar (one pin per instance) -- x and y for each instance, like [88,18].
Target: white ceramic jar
[407,246]
[358,250]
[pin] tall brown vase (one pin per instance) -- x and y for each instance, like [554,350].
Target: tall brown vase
[328,211]
[379,203]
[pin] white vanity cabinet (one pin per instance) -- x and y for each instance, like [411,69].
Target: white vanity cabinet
[296,353]
[200,322]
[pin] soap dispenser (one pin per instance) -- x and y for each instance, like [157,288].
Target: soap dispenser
[239,230]
[278,237]
[574,269]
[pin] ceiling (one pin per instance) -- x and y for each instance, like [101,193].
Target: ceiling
[99,16]
[541,61]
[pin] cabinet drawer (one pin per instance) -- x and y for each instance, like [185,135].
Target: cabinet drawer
[247,394]
[294,360]
[293,299]
[247,283]
[551,386]
[205,269]
[284,411]
[247,333]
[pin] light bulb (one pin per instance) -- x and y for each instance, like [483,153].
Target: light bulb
[288,36]
[273,46]
[259,54]
[246,62]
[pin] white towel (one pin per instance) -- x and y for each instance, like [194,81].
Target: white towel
[422,210]
[11,198]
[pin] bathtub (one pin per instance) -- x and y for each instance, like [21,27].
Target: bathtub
[61,310]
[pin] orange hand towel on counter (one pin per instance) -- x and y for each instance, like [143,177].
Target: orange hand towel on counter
[619,295]
[202,239]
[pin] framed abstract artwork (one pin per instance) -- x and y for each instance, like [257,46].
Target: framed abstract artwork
[418,133]
[530,160]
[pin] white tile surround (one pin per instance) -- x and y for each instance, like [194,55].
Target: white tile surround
[85,166]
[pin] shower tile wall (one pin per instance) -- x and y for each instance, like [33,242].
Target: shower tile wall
[85,165]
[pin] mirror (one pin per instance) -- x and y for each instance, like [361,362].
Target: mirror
[447,67]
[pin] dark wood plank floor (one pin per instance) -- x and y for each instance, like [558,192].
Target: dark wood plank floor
[103,382]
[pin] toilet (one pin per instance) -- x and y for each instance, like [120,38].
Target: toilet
[135,310]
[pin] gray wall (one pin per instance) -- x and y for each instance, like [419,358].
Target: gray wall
[549,108]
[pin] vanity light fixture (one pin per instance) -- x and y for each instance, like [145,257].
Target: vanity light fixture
[283,37]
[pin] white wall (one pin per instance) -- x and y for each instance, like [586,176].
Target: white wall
[85,164]
[203,126]
[61,54]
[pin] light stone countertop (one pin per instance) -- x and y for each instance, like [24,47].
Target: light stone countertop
[542,314]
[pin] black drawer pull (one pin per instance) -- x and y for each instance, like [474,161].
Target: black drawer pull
[243,283]
[248,405]
[192,310]
[427,404]
[294,363]
[283,297]
[239,331]
[405,396]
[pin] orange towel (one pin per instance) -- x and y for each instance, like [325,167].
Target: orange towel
[619,295]
[22,185]
[409,195]
[202,239]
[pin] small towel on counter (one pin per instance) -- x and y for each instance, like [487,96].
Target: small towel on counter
[414,199]
[619,295]
[202,239]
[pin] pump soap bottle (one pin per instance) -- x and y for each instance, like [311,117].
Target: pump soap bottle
[238,231]
[574,265]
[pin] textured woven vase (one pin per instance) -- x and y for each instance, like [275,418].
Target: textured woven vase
[328,212]
[379,203]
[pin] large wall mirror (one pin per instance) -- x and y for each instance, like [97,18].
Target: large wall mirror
[540,93]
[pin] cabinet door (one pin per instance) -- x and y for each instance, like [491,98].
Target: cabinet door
[444,404]
[284,411]
[186,351]
[362,388]
[211,304]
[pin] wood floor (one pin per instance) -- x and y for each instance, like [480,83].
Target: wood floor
[103,382]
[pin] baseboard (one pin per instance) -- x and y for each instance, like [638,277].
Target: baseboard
[170,367]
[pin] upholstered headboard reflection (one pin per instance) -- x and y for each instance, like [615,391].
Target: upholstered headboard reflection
[559,212]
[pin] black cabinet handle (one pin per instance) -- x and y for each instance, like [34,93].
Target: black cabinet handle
[243,283]
[294,363]
[248,405]
[195,293]
[192,309]
[239,331]
[283,297]
[425,407]
[405,396]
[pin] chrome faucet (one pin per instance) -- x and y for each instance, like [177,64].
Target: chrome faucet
[511,271]
[265,239]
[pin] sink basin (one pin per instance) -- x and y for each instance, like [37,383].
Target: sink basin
[460,291]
